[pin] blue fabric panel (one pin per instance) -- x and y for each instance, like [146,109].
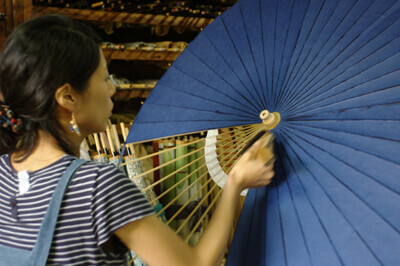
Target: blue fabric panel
[355,84]
[236,30]
[251,15]
[238,251]
[377,129]
[356,196]
[215,73]
[296,249]
[385,185]
[337,16]
[297,14]
[343,52]
[379,148]
[330,201]
[283,18]
[318,15]
[319,245]
[390,111]
[187,100]
[256,246]
[222,41]
[274,238]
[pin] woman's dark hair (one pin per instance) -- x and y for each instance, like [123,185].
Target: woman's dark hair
[38,57]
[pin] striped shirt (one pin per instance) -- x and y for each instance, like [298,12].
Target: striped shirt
[99,200]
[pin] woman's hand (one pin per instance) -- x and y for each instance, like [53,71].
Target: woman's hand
[250,171]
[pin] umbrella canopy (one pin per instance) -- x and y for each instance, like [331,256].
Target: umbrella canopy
[331,69]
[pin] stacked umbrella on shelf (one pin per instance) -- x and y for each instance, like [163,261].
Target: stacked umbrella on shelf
[331,71]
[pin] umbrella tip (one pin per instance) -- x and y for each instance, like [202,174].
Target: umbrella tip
[270,120]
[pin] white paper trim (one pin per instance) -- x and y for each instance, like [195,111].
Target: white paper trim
[210,150]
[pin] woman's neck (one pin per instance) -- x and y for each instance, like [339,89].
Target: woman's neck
[45,152]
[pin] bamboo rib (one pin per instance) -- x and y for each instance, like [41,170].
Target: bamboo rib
[176,159]
[174,186]
[162,165]
[192,184]
[204,215]
[195,209]
[198,206]
[174,148]
[183,206]
[240,146]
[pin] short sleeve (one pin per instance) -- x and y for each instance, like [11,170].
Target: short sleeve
[116,202]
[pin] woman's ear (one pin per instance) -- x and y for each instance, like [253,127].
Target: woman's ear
[66,97]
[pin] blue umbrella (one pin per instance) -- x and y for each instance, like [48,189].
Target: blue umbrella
[331,69]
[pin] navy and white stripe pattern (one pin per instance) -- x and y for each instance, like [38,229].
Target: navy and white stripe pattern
[99,200]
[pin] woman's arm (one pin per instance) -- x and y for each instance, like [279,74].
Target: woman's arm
[157,244]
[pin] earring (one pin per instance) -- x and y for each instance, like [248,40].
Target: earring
[73,126]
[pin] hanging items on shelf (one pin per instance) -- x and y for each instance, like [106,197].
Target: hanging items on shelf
[188,8]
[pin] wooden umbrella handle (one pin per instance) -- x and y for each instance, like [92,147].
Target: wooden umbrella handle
[266,151]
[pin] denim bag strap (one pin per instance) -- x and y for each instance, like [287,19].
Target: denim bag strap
[41,250]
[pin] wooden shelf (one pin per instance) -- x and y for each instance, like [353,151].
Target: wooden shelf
[125,17]
[130,94]
[113,54]
[134,90]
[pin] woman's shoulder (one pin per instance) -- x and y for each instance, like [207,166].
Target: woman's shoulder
[97,168]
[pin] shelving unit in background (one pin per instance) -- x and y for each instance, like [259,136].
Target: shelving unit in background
[164,58]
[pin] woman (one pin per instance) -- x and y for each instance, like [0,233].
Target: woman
[56,90]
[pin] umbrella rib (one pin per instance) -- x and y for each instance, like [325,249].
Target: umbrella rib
[273,61]
[211,100]
[254,62]
[282,91]
[345,185]
[295,210]
[314,108]
[222,78]
[303,95]
[291,93]
[263,53]
[264,56]
[316,136]
[278,89]
[251,229]
[313,60]
[289,80]
[280,222]
[308,108]
[241,61]
[342,51]
[312,205]
[302,104]
[337,120]
[332,201]
[196,109]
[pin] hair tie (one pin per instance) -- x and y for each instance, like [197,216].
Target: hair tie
[9,120]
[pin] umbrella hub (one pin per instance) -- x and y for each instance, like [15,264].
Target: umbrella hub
[270,120]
